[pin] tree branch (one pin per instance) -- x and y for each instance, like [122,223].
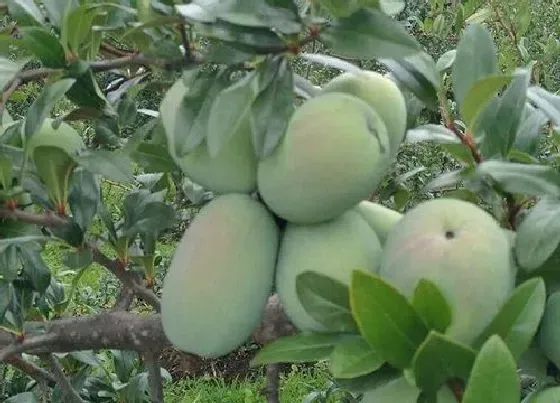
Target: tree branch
[66,387]
[121,331]
[46,220]
[271,390]
[34,371]
[154,376]
[124,299]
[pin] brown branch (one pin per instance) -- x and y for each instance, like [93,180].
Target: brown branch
[121,331]
[113,50]
[124,299]
[271,389]
[46,220]
[68,391]
[152,363]
[186,43]
[34,371]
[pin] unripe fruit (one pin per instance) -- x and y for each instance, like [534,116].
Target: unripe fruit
[232,170]
[334,248]
[334,154]
[549,332]
[382,94]
[463,250]
[380,218]
[220,277]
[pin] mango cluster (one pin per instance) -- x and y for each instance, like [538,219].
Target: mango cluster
[337,148]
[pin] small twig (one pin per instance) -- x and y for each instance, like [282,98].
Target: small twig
[63,382]
[34,371]
[126,277]
[7,94]
[108,48]
[124,299]
[151,361]
[186,43]
[46,220]
[271,389]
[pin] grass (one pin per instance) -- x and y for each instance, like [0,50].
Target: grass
[295,386]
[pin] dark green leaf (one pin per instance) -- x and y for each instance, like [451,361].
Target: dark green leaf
[384,375]
[107,131]
[125,361]
[546,102]
[41,108]
[72,234]
[79,259]
[220,52]
[418,74]
[386,319]
[369,34]
[538,236]
[35,268]
[153,158]
[230,109]
[479,94]
[26,12]
[494,375]
[532,122]
[353,357]
[518,319]
[114,165]
[475,59]
[5,295]
[87,357]
[303,347]
[460,151]
[126,111]
[20,240]
[271,111]
[85,92]
[431,132]
[45,46]
[155,217]
[23,397]
[83,198]
[440,359]
[403,390]
[326,300]
[432,306]
[528,179]
[77,26]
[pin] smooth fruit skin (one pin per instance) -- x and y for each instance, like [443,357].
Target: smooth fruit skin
[401,391]
[220,277]
[333,155]
[232,170]
[549,332]
[549,395]
[463,250]
[334,248]
[380,218]
[382,94]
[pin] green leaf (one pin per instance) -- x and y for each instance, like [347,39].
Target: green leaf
[55,9]
[79,259]
[446,60]
[528,179]
[326,300]
[113,165]
[153,218]
[271,111]
[408,75]
[475,59]
[386,319]
[8,69]
[153,158]
[479,94]
[440,359]
[45,46]
[498,122]
[353,357]
[376,379]
[518,319]
[35,268]
[546,102]
[538,236]
[77,26]
[5,296]
[303,347]
[369,34]
[493,378]
[85,92]
[331,61]
[23,397]
[403,390]
[84,197]
[25,12]
[20,241]
[530,126]
[431,132]
[41,108]
[432,306]
[229,111]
